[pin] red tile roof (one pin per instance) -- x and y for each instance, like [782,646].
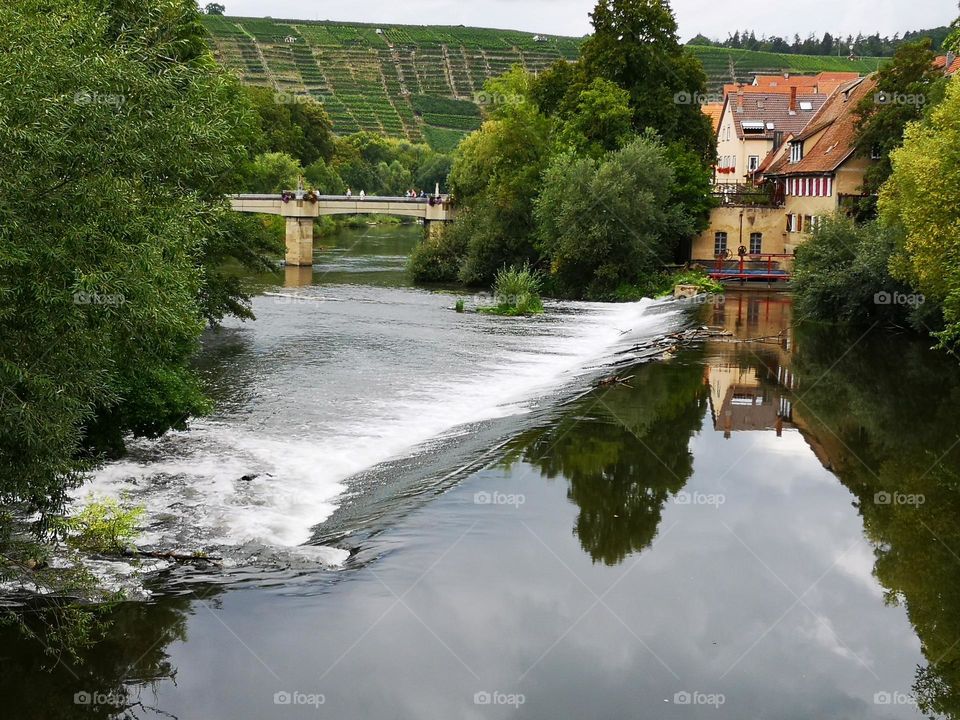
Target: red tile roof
[941,62]
[837,122]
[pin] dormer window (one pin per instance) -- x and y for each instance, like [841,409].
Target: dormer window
[796,152]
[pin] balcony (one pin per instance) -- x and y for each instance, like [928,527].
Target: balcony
[767,195]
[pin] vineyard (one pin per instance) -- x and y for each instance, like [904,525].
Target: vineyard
[424,83]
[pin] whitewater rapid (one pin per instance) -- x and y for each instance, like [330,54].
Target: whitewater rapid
[330,382]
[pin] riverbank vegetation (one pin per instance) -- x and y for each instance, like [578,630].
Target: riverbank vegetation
[119,141]
[590,172]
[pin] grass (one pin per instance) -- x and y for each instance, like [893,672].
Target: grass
[516,292]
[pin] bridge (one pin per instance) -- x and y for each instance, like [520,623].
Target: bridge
[300,208]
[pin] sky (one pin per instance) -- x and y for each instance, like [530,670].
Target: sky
[713,18]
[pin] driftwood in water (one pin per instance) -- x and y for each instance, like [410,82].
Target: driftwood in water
[169,555]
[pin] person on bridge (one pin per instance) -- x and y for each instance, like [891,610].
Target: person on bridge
[362,194]
[349,192]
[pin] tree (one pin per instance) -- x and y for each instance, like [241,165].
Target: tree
[495,178]
[608,224]
[600,121]
[905,85]
[635,45]
[214,9]
[273,172]
[115,144]
[292,124]
[921,201]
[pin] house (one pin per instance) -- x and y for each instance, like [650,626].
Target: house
[822,173]
[810,170]
[290,39]
[950,63]
[752,124]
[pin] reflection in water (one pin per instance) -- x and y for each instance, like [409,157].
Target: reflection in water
[294,276]
[624,451]
[883,412]
[116,677]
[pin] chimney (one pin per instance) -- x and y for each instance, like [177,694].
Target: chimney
[739,100]
[793,100]
[951,58]
[777,139]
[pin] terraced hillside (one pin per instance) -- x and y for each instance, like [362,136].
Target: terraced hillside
[422,83]
[404,81]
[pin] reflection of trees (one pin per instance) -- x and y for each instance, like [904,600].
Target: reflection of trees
[130,655]
[624,450]
[885,416]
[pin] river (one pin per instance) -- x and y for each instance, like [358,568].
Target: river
[427,515]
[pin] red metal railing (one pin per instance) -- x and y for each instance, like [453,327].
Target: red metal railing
[766,271]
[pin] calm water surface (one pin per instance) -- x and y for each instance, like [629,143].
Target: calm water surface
[443,525]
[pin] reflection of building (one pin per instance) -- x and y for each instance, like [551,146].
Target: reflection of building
[751,382]
[743,398]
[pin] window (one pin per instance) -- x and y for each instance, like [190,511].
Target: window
[806,105]
[794,223]
[808,222]
[796,152]
[813,222]
[756,243]
[753,162]
[876,153]
[719,243]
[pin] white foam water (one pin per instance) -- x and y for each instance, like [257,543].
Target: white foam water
[244,477]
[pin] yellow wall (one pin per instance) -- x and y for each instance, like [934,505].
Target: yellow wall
[740,150]
[772,222]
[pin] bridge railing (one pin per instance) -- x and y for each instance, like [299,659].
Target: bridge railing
[348,198]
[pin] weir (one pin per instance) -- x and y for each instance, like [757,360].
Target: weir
[301,208]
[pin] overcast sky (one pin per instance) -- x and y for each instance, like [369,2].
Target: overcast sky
[714,18]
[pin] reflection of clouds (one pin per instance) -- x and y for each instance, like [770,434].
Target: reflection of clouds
[820,631]
[858,565]
[499,600]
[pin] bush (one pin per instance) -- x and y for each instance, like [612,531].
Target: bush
[517,292]
[103,527]
[842,274]
[439,256]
